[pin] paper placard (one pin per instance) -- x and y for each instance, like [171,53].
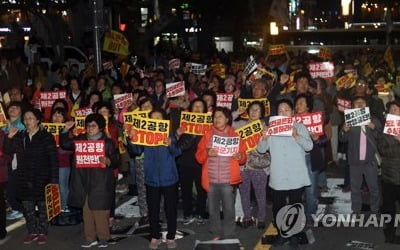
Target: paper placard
[196,123]
[250,134]
[343,104]
[80,125]
[123,100]
[149,132]
[196,68]
[346,81]
[392,125]
[280,126]
[276,49]
[174,63]
[83,112]
[174,89]
[53,201]
[313,122]
[225,100]
[47,98]
[357,117]
[225,146]
[321,69]
[54,129]
[88,152]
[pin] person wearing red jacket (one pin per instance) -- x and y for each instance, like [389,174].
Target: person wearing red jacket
[220,174]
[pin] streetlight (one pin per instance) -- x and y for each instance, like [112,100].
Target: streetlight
[273,30]
[345,7]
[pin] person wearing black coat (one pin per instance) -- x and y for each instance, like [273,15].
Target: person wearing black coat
[37,166]
[92,188]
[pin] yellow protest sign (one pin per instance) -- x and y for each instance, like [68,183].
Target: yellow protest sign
[196,123]
[149,132]
[325,53]
[121,146]
[218,69]
[260,72]
[276,49]
[54,129]
[244,103]
[80,125]
[115,42]
[367,69]
[347,81]
[3,119]
[53,201]
[236,67]
[384,88]
[250,134]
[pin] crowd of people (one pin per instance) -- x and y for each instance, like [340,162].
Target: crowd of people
[280,169]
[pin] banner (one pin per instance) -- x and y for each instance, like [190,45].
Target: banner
[244,103]
[225,146]
[347,81]
[392,125]
[80,125]
[321,69]
[276,49]
[225,100]
[174,63]
[251,65]
[313,122]
[174,89]
[357,117]
[54,129]
[47,98]
[325,53]
[343,104]
[149,132]
[3,118]
[196,68]
[88,152]
[115,42]
[250,134]
[123,100]
[53,201]
[196,123]
[83,112]
[280,125]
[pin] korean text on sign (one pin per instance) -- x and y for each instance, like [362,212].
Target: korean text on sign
[3,118]
[83,112]
[225,146]
[53,201]
[343,104]
[174,63]
[88,152]
[244,103]
[80,125]
[196,123]
[224,100]
[276,49]
[47,98]
[280,125]
[54,129]
[250,134]
[149,132]
[392,125]
[322,69]
[357,117]
[313,122]
[123,100]
[175,89]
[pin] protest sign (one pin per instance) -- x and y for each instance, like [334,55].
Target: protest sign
[53,201]
[123,100]
[250,134]
[276,49]
[196,123]
[3,118]
[47,98]
[383,88]
[115,42]
[313,122]
[251,65]
[174,89]
[83,112]
[196,68]
[343,104]
[321,69]
[54,129]
[325,53]
[244,103]
[367,69]
[174,63]
[225,146]
[259,73]
[347,81]
[149,132]
[392,125]
[80,125]
[219,69]
[88,152]
[236,67]
[225,100]
[280,125]
[357,117]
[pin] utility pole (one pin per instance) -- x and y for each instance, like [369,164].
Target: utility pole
[98,22]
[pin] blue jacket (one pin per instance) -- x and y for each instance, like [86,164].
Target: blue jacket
[159,163]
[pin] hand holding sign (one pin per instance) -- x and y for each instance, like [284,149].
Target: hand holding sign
[371,125]
[105,160]
[212,152]
[295,134]
[237,156]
